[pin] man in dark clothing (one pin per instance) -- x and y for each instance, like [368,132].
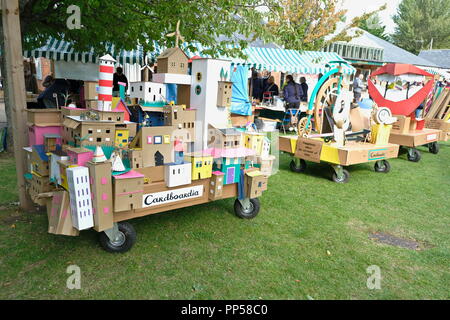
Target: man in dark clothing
[257,86]
[271,87]
[304,85]
[292,93]
[60,88]
[119,77]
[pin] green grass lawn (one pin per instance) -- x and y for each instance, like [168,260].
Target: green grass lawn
[310,240]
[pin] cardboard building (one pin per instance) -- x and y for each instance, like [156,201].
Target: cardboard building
[36,134]
[177,174]
[216,185]
[55,171]
[135,158]
[173,60]
[79,156]
[38,185]
[128,191]
[201,165]
[80,197]
[121,139]
[115,115]
[102,194]
[79,132]
[59,216]
[254,141]
[256,183]
[224,94]
[206,74]
[40,161]
[148,92]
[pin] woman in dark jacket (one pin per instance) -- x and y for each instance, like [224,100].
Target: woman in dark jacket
[292,93]
[271,86]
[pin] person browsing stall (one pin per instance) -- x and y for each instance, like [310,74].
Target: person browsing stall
[292,93]
[271,87]
[119,77]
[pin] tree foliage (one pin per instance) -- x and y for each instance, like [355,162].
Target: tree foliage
[374,26]
[126,23]
[420,22]
[311,24]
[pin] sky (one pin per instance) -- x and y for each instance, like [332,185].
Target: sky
[358,7]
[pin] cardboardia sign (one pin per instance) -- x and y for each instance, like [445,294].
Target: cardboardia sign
[165,197]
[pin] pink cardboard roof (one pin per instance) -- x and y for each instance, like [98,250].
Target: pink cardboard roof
[230,152]
[129,175]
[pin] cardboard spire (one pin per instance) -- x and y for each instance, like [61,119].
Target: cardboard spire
[99,155]
[117,165]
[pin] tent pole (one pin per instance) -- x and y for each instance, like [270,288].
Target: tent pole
[14,75]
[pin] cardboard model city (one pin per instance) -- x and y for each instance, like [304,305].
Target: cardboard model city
[92,167]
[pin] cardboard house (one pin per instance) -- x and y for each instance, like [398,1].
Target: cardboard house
[201,163]
[44,117]
[173,60]
[255,183]
[224,138]
[70,111]
[128,191]
[79,132]
[216,185]
[135,158]
[38,185]
[79,156]
[121,106]
[177,174]
[147,92]
[39,160]
[55,171]
[102,194]
[63,166]
[224,94]
[59,216]
[121,139]
[206,74]
[50,141]
[29,153]
[36,134]
[115,115]
[147,116]
[80,197]
[254,141]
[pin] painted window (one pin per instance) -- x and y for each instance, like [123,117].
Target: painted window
[149,140]
[166,138]
[157,140]
[119,134]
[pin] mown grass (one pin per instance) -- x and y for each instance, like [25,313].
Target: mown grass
[309,240]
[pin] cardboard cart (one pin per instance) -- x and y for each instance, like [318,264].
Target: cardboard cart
[410,133]
[93,168]
[316,150]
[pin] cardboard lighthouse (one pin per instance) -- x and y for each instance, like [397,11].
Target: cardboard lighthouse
[105,83]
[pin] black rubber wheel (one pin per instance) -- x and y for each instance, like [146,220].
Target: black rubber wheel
[294,167]
[344,179]
[247,214]
[127,238]
[415,156]
[384,166]
[433,147]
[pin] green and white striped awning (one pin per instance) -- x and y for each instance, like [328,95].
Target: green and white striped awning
[59,50]
[271,59]
[439,72]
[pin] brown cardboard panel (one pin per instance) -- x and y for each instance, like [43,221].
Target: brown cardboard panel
[153,174]
[240,121]
[309,149]
[59,215]
[356,153]
[402,124]
[90,90]
[44,117]
[184,94]
[415,138]
[284,144]
[229,191]
[358,121]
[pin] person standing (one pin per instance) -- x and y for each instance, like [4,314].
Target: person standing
[271,87]
[257,86]
[292,93]
[358,87]
[119,77]
[304,85]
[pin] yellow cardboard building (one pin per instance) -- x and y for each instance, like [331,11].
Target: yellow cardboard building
[254,141]
[121,138]
[201,165]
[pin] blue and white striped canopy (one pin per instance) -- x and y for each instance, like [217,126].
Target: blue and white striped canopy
[63,51]
[271,59]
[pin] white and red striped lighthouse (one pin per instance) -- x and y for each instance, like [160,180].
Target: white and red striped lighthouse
[105,83]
